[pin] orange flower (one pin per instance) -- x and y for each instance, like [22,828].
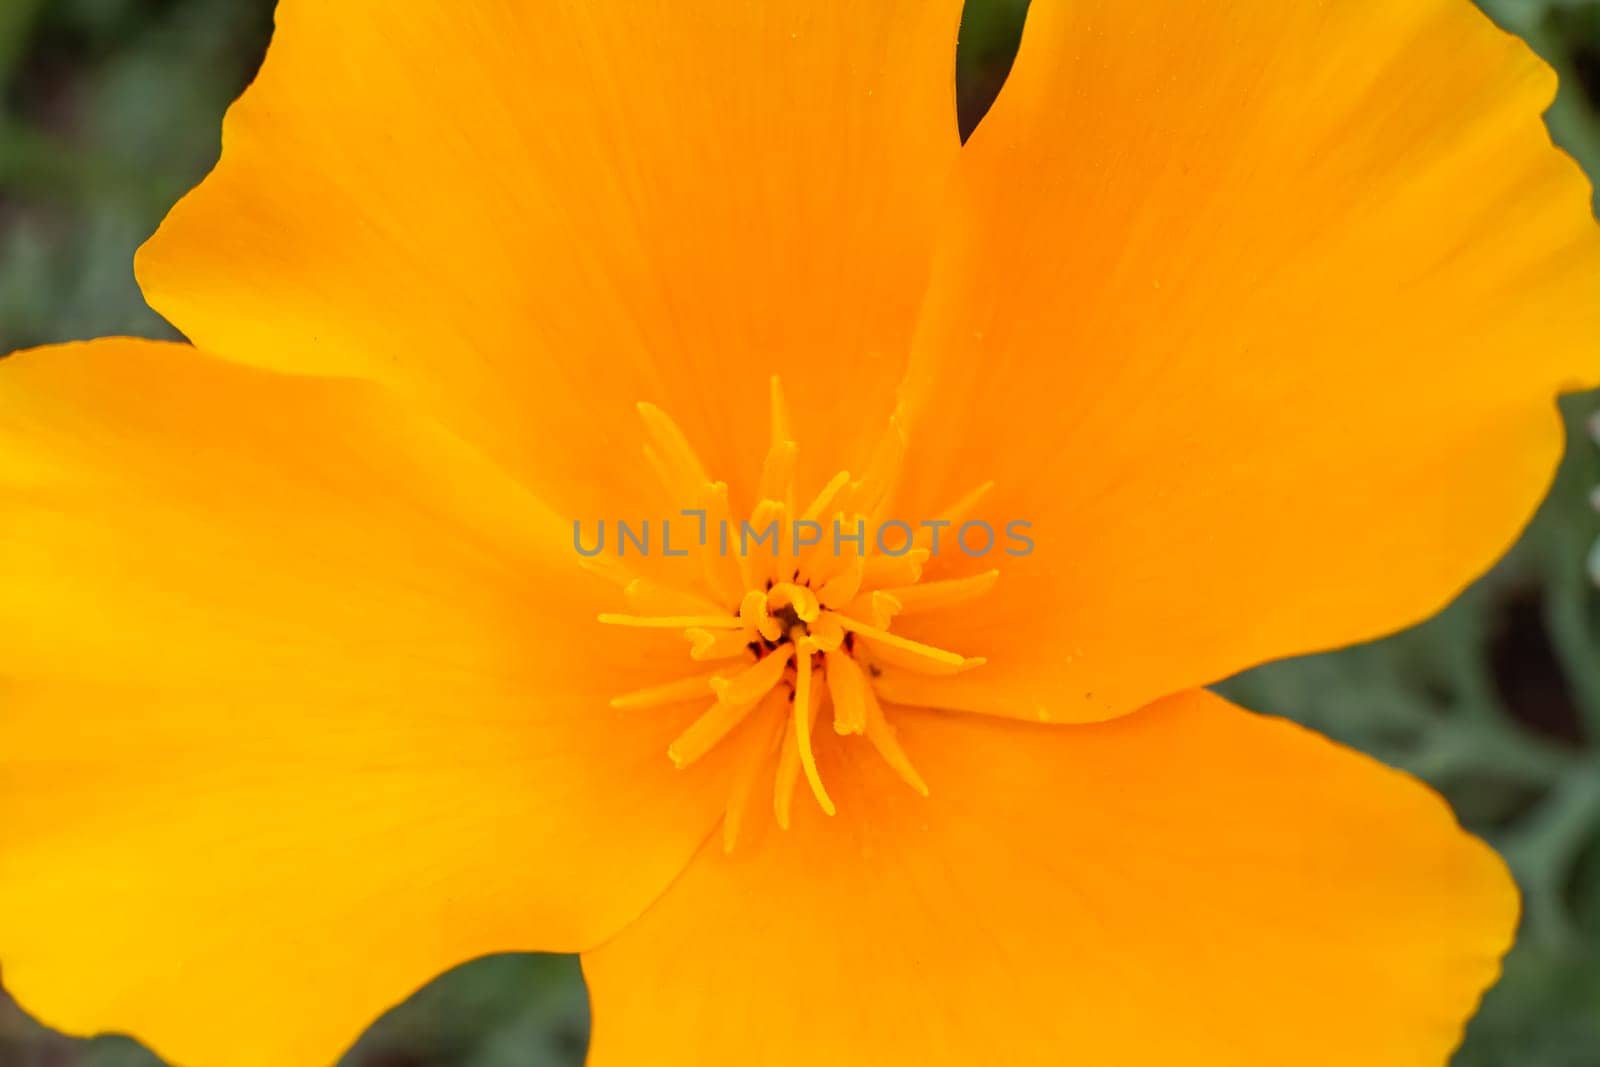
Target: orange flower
[1255,313]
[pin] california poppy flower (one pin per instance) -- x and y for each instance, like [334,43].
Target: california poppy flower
[1253,313]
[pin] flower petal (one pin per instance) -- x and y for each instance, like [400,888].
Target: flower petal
[535,215]
[1257,313]
[1190,884]
[303,704]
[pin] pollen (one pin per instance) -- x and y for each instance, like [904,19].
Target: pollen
[793,634]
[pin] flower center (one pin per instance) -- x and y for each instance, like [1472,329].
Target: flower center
[796,626]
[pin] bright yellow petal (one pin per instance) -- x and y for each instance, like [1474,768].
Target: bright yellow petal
[1191,885]
[534,215]
[302,704]
[1257,312]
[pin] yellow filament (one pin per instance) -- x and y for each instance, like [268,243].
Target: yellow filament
[918,661]
[670,479]
[777,473]
[869,495]
[876,609]
[674,622]
[824,500]
[951,517]
[652,598]
[890,571]
[902,644]
[736,698]
[755,681]
[782,425]
[704,733]
[613,570]
[804,715]
[821,561]
[766,561]
[684,689]
[684,472]
[882,736]
[919,688]
[843,586]
[819,507]
[759,756]
[847,686]
[930,596]
[724,572]
[706,645]
[784,782]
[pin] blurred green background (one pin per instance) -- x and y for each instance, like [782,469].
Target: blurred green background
[109,111]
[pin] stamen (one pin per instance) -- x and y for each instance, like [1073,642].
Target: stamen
[759,756]
[843,586]
[726,573]
[891,571]
[736,698]
[807,562]
[953,515]
[610,569]
[825,498]
[773,563]
[777,472]
[674,622]
[704,733]
[704,645]
[882,736]
[672,481]
[924,690]
[788,775]
[804,715]
[877,609]
[652,598]
[683,471]
[918,661]
[918,651]
[820,564]
[755,681]
[930,596]
[847,685]
[694,687]
[877,486]
[782,425]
